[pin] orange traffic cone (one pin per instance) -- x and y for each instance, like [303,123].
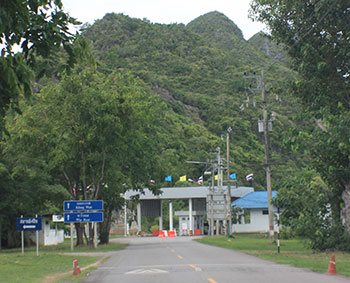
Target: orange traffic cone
[76,268]
[331,266]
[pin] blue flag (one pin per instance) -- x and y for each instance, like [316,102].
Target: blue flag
[168,178]
[233,176]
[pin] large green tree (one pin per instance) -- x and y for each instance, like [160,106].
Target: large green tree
[89,134]
[316,34]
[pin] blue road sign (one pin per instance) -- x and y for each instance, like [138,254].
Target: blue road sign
[83,217]
[83,205]
[28,223]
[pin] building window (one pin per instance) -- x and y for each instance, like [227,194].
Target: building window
[265,212]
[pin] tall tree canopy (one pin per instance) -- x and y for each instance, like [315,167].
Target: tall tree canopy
[89,132]
[317,37]
[40,28]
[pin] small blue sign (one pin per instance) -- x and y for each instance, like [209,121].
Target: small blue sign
[83,217]
[233,176]
[28,223]
[83,205]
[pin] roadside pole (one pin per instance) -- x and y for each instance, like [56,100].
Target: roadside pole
[22,239]
[125,219]
[95,235]
[265,129]
[71,237]
[278,230]
[229,224]
[267,159]
[37,239]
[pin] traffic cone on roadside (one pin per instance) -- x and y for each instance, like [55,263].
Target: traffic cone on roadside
[331,266]
[76,268]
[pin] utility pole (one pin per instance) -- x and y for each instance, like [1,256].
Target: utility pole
[261,86]
[219,181]
[229,224]
[267,159]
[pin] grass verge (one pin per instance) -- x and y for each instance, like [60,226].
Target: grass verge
[293,252]
[51,260]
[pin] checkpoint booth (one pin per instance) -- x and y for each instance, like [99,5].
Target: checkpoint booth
[193,219]
[197,220]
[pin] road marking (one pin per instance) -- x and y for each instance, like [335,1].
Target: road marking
[172,251]
[146,271]
[195,267]
[211,280]
[179,256]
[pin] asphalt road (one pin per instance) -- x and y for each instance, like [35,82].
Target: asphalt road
[183,260]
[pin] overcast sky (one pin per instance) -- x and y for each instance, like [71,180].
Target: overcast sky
[164,11]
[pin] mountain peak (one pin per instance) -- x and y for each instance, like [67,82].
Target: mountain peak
[217,28]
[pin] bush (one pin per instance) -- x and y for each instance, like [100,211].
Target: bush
[154,228]
[287,233]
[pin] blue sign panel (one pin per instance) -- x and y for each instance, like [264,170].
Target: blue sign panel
[83,205]
[28,223]
[83,217]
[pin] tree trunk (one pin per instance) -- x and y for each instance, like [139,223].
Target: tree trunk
[346,209]
[105,228]
[80,230]
[91,235]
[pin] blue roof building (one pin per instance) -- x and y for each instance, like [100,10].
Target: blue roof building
[253,200]
[254,214]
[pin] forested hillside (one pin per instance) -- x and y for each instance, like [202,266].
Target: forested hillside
[198,70]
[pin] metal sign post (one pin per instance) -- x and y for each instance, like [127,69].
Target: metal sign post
[84,215]
[37,239]
[31,224]
[71,237]
[95,235]
[22,239]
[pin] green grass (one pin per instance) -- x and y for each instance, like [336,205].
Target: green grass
[51,260]
[293,252]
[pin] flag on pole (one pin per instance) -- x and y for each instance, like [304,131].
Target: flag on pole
[152,181]
[249,177]
[183,178]
[168,178]
[233,176]
[216,177]
[200,180]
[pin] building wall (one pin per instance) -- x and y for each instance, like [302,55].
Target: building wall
[259,223]
[47,236]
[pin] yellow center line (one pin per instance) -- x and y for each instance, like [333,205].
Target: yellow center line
[211,280]
[194,267]
[179,256]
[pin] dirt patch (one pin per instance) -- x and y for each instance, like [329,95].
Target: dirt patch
[52,278]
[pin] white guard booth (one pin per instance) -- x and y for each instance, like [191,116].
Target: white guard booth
[48,236]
